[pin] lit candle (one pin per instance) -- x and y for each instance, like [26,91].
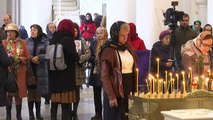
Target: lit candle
[161,83]
[170,78]
[166,77]
[177,76]
[209,73]
[153,82]
[150,84]
[165,87]
[184,87]
[147,85]
[158,66]
[137,80]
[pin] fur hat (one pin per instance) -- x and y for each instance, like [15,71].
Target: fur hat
[163,34]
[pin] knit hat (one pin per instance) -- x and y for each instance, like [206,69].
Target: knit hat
[163,34]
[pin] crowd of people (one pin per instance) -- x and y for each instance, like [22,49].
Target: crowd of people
[112,59]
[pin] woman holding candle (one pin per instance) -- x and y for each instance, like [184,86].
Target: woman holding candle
[196,49]
[118,72]
[161,52]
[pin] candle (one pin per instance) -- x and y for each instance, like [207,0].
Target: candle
[166,77]
[165,86]
[136,80]
[202,82]
[158,66]
[177,76]
[170,78]
[209,73]
[184,87]
[147,85]
[161,83]
[153,82]
[150,84]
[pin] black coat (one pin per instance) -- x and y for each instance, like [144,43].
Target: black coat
[5,61]
[64,81]
[164,53]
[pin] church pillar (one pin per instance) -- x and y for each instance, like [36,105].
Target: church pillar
[209,12]
[202,11]
[123,10]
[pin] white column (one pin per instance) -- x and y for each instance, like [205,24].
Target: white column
[36,12]
[123,10]
[209,12]
[202,11]
[3,10]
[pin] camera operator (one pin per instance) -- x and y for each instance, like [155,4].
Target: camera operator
[182,34]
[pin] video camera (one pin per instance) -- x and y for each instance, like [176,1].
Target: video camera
[172,16]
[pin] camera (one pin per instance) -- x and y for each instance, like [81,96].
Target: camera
[172,16]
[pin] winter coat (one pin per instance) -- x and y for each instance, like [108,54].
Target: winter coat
[64,81]
[190,54]
[5,61]
[21,71]
[163,53]
[41,70]
[94,79]
[88,30]
[80,65]
[3,35]
[109,74]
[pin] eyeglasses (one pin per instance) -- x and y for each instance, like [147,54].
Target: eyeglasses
[205,45]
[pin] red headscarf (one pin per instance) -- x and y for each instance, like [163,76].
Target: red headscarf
[133,34]
[66,25]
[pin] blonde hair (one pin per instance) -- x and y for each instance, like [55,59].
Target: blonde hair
[124,27]
[105,32]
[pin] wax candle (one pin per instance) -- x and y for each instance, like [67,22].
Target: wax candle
[184,87]
[177,77]
[136,80]
[209,73]
[158,66]
[166,77]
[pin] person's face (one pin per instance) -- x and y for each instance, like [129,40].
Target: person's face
[208,28]
[166,40]
[76,32]
[123,36]
[197,25]
[87,17]
[206,45]
[11,34]
[6,20]
[100,35]
[52,28]
[184,22]
[34,32]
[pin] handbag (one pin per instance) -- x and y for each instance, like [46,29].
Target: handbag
[11,84]
[30,77]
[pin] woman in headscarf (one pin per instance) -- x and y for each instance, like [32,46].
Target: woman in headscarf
[17,47]
[62,83]
[136,42]
[198,50]
[37,44]
[95,81]
[117,72]
[88,28]
[50,29]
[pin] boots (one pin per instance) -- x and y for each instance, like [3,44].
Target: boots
[18,112]
[30,107]
[66,114]
[54,108]
[8,109]
[75,107]
[38,111]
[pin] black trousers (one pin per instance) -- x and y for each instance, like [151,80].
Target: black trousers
[97,100]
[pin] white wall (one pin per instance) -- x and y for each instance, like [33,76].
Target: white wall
[90,6]
[3,10]
[36,12]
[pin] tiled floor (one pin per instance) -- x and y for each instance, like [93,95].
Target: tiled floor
[85,110]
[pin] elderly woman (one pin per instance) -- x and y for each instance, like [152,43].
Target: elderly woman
[37,44]
[117,72]
[198,49]
[16,47]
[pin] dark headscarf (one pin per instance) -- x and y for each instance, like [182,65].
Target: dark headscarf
[77,27]
[40,32]
[66,25]
[114,33]
[23,32]
[88,21]
[133,32]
